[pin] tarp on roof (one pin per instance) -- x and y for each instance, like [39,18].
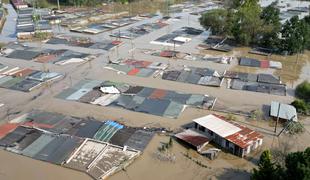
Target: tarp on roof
[217,125]
[107,130]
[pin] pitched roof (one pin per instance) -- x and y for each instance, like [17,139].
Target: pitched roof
[192,137]
[217,125]
[286,111]
[231,131]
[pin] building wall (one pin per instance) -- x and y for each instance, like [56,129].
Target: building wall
[229,146]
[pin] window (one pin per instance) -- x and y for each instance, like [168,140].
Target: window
[210,132]
[227,143]
[201,128]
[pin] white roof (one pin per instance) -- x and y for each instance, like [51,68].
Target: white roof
[109,90]
[286,111]
[217,125]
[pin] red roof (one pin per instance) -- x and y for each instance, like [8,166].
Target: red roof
[137,63]
[23,72]
[7,128]
[168,54]
[192,137]
[39,125]
[264,64]
[133,72]
[242,138]
[158,94]
[116,42]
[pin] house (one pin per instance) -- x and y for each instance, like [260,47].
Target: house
[19,4]
[235,138]
[285,112]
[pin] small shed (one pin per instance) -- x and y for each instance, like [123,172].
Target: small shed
[284,111]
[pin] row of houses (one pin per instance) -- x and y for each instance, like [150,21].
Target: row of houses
[28,24]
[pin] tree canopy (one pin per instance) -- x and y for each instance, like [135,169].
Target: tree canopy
[249,24]
[302,104]
[297,166]
[303,91]
[217,21]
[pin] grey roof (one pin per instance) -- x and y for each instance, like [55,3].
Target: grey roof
[249,62]
[37,145]
[139,140]
[23,54]
[286,111]
[85,128]
[268,78]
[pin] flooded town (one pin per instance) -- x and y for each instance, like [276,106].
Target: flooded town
[155,89]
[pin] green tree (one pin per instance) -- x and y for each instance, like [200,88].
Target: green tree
[272,26]
[248,23]
[266,168]
[218,20]
[301,106]
[303,91]
[298,165]
[233,4]
[295,35]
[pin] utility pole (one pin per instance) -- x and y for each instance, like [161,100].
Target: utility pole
[58,5]
[275,128]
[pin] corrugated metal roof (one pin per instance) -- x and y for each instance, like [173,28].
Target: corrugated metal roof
[286,111]
[192,137]
[217,125]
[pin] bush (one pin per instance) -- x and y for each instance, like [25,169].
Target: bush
[301,106]
[303,91]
